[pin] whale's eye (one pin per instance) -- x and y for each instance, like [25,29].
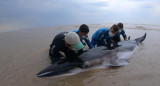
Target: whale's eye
[86,65]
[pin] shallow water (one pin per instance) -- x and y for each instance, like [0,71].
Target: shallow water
[24,53]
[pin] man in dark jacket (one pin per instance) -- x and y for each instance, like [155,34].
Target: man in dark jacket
[67,43]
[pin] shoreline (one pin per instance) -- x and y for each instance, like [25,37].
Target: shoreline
[127,26]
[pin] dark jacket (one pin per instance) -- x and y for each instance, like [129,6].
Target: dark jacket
[58,45]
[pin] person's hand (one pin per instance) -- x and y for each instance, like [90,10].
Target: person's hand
[84,43]
[111,48]
[85,50]
[112,41]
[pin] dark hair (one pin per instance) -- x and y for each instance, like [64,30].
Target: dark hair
[120,25]
[84,28]
[115,28]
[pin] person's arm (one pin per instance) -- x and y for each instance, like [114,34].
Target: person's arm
[108,43]
[124,35]
[73,54]
[54,52]
[88,43]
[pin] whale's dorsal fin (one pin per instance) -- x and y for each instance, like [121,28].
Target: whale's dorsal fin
[141,39]
[129,37]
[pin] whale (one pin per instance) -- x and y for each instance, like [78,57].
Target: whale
[95,56]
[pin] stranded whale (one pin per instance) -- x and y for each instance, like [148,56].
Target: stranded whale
[96,56]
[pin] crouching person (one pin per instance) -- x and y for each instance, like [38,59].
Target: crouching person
[121,31]
[83,34]
[68,43]
[102,37]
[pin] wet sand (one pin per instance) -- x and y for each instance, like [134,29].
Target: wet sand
[24,53]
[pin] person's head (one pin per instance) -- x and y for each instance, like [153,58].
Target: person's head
[73,41]
[113,30]
[120,25]
[83,30]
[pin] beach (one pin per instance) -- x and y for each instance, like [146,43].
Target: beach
[23,53]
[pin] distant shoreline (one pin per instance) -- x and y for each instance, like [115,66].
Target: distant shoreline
[108,25]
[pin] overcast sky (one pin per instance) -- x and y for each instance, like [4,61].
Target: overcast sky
[42,13]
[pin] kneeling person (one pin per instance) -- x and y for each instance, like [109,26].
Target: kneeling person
[82,32]
[102,37]
[117,38]
[67,42]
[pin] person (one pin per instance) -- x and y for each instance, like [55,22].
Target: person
[67,43]
[102,37]
[82,32]
[117,38]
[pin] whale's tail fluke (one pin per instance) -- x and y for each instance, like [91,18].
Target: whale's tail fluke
[141,39]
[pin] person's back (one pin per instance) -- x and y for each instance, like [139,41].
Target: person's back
[99,32]
[58,40]
[99,36]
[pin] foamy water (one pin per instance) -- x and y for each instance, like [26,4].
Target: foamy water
[24,53]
